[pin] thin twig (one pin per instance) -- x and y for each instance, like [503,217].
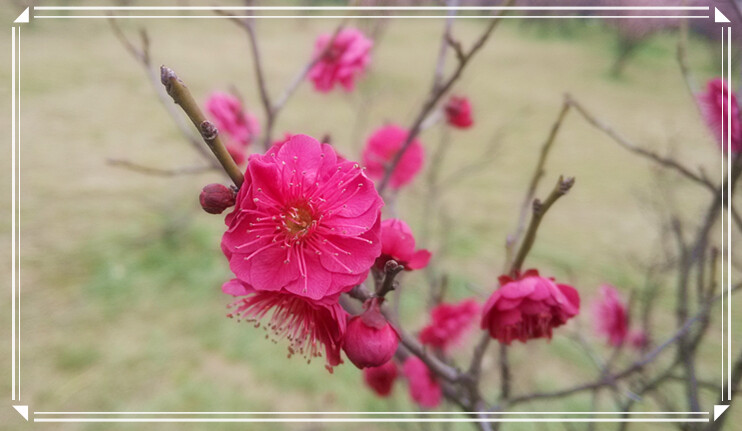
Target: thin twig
[435,95]
[539,210]
[182,96]
[538,174]
[623,142]
[188,170]
[391,269]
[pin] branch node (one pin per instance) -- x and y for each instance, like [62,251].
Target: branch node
[208,130]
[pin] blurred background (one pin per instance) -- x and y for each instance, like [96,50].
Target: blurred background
[121,271]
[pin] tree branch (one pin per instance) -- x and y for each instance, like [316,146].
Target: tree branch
[539,210]
[623,142]
[182,96]
[188,170]
[435,95]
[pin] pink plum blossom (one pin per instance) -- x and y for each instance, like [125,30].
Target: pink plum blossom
[382,147]
[305,222]
[343,62]
[528,307]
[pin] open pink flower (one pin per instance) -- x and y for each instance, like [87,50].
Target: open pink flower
[343,62]
[424,389]
[383,145]
[305,221]
[458,112]
[712,101]
[611,317]
[449,324]
[370,340]
[398,243]
[528,307]
[381,379]
[232,119]
[308,324]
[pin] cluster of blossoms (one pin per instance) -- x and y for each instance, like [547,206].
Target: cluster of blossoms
[715,104]
[307,227]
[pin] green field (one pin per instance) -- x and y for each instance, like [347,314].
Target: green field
[121,272]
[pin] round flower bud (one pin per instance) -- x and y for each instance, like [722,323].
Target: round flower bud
[370,341]
[215,198]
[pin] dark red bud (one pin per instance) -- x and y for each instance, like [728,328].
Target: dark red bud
[215,198]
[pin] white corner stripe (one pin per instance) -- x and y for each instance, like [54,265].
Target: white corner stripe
[370,420]
[729,219]
[351,8]
[16,241]
[12,181]
[360,16]
[369,413]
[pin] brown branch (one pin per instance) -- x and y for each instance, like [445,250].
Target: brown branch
[182,96]
[435,95]
[624,143]
[270,108]
[441,62]
[391,269]
[188,170]
[538,174]
[539,210]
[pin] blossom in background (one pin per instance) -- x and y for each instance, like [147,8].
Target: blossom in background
[611,316]
[424,389]
[238,153]
[381,148]
[449,324]
[397,243]
[215,198]
[232,119]
[307,323]
[528,307]
[381,379]
[343,62]
[305,221]
[712,101]
[370,341]
[458,112]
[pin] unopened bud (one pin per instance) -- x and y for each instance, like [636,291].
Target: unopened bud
[215,198]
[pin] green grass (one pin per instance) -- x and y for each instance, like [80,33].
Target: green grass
[122,309]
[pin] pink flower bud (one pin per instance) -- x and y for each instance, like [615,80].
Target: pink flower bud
[370,341]
[215,198]
[458,112]
[381,379]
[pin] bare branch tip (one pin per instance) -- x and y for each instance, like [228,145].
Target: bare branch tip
[166,75]
[566,184]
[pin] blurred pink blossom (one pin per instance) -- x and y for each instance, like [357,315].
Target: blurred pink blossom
[381,148]
[343,62]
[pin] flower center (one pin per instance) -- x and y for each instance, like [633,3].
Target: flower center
[333,53]
[298,221]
